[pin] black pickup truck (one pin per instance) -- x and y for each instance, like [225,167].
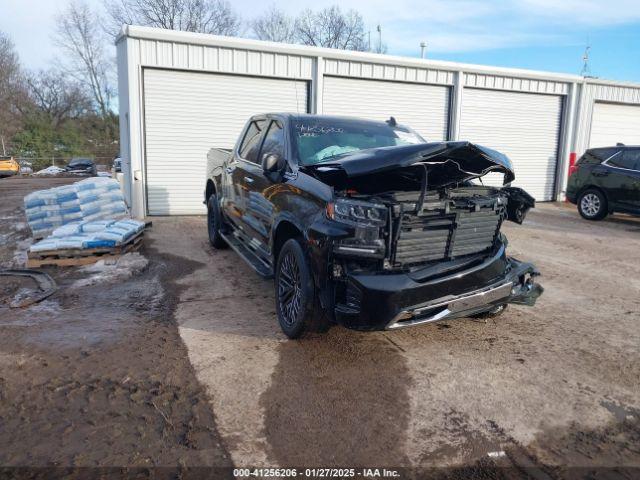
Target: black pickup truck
[366,224]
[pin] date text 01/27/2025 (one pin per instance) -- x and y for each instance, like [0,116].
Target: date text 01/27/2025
[315,473]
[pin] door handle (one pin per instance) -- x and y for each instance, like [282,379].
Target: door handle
[601,174]
[248,179]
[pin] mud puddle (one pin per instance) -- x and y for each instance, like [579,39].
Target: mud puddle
[98,376]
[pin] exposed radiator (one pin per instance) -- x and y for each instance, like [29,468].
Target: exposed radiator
[475,232]
[428,238]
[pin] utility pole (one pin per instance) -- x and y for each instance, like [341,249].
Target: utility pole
[423,47]
[586,71]
[379,39]
[4,152]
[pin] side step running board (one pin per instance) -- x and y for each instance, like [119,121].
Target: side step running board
[248,256]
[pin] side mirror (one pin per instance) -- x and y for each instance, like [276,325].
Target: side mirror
[272,162]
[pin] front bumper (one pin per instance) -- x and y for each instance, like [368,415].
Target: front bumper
[393,301]
[8,173]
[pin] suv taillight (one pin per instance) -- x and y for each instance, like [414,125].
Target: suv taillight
[573,167]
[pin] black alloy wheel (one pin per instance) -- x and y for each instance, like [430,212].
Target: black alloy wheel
[289,289]
[294,289]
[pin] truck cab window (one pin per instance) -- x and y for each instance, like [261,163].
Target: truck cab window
[274,141]
[251,143]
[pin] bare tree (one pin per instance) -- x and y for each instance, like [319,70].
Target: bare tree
[57,97]
[79,35]
[13,95]
[205,16]
[9,63]
[274,25]
[331,28]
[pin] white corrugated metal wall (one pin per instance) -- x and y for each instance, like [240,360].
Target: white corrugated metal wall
[613,123]
[186,114]
[524,126]
[143,48]
[425,108]
[595,116]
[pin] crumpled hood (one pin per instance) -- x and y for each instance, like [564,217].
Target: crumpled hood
[467,159]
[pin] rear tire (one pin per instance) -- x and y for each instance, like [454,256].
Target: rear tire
[295,291]
[214,223]
[592,205]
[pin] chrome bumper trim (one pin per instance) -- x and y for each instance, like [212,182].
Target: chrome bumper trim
[450,307]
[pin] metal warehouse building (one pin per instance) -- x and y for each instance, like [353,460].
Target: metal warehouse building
[182,93]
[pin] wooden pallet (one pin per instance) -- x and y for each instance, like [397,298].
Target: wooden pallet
[75,256]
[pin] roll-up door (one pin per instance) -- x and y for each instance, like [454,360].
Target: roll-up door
[425,108]
[186,114]
[524,126]
[615,123]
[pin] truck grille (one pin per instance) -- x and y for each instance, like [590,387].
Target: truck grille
[428,238]
[475,232]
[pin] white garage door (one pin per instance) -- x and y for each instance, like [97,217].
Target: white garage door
[524,126]
[188,113]
[612,123]
[425,108]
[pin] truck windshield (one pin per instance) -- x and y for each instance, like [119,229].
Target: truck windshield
[321,140]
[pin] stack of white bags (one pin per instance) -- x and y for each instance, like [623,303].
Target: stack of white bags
[96,198]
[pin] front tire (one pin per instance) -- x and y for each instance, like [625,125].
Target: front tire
[214,223]
[493,313]
[592,205]
[295,292]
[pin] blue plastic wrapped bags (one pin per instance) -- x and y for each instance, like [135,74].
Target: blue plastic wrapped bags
[95,198]
[92,234]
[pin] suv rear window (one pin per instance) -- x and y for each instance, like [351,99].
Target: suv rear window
[597,155]
[629,159]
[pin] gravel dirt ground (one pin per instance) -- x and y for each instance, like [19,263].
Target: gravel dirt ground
[551,386]
[97,375]
[184,363]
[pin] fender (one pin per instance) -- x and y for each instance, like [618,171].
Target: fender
[520,202]
[600,189]
[284,216]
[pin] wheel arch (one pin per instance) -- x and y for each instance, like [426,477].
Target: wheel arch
[283,231]
[209,190]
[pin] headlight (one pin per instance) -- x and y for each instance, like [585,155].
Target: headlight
[367,218]
[357,213]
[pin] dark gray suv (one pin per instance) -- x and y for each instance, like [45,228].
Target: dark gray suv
[606,180]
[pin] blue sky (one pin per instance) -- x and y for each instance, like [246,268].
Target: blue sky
[539,34]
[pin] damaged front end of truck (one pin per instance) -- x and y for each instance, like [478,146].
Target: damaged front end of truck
[413,236]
